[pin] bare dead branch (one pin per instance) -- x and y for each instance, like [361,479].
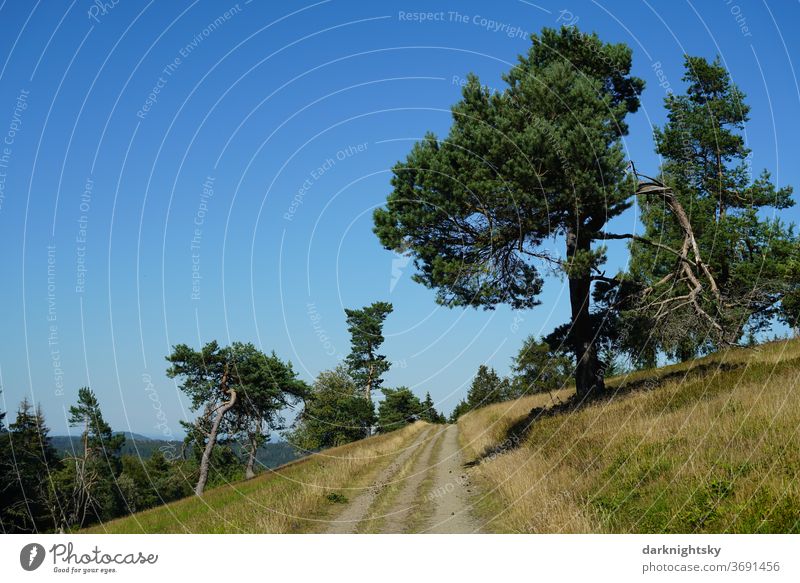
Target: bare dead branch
[690,269]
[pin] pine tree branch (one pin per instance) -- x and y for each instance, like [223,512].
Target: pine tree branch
[639,239]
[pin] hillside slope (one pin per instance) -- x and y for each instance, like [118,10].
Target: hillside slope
[707,446]
[388,483]
[410,480]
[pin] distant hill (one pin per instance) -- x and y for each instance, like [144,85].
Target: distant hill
[135,444]
[269,455]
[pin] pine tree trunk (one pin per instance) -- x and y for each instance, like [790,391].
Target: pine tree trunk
[368,387]
[249,471]
[212,440]
[588,370]
[368,395]
[86,439]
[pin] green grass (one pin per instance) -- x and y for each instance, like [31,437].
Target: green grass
[708,446]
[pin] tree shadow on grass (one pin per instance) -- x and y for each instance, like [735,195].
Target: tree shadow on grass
[518,433]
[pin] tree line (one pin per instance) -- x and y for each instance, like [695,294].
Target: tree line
[241,395]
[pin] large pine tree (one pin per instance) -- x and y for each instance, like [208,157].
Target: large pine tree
[541,160]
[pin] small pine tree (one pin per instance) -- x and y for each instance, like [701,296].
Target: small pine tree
[459,410]
[399,408]
[335,413]
[538,368]
[97,436]
[93,473]
[366,332]
[487,388]
[429,412]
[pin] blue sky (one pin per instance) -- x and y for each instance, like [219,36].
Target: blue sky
[185,171]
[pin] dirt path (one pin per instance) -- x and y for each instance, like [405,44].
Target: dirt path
[357,510]
[451,490]
[443,507]
[401,513]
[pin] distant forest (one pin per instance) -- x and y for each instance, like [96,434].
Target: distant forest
[269,455]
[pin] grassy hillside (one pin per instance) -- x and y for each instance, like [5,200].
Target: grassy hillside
[293,498]
[707,446]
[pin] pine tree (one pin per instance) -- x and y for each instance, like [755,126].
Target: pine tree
[335,413]
[366,366]
[97,436]
[399,408]
[748,258]
[210,377]
[240,390]
[269,386]
[429,412]
[539,368]
[460,409]
[148,482]
[541,159]
[28,502]
[92,473]
[487,387]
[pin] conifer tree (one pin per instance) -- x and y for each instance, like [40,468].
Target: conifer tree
[487,387]
[429,412]
[699,290]
[335,413]
[366,336]
[399,408]
[93,471]
[541,159]
[29,461]
[539,368]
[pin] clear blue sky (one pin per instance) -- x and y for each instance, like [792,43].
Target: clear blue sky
[248,143]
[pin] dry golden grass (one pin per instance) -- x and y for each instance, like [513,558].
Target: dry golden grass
[488,427]
[290,499]
[711,446]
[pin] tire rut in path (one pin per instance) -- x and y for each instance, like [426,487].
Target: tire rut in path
[357,510]
[451,491]
[397,518]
